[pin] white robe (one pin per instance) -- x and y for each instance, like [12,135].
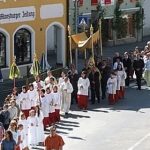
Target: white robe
[122,75]
[25,128]
[118,77]
[25,102]
[33,97]
[32,132]
[50,102]
[56,100]
[112,85]
[83,86]
[22,135]
[44,106]
[38,85]
[47,80]
[116,65]
[67,89]
[40,128]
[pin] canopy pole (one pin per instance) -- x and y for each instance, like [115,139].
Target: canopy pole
[70,48]
[85,55]
[91,33]
[100,38]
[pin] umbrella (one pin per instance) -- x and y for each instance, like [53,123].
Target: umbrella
[14,71]
[35,68]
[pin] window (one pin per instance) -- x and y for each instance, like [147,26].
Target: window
[2,50]
[22,46]
[80,2]
[94,2]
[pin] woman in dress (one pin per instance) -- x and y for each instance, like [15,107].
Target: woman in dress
[8,143]
[13,129]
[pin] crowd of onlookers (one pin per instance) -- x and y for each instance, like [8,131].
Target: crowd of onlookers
[27,113]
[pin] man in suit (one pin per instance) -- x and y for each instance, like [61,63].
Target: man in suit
[95,78]
[138,66]
[127,66]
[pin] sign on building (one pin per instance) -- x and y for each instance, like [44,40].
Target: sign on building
[83,20]
[20,14]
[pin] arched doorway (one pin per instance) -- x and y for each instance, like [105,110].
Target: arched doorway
[22,46]
[2,50]
[55,45]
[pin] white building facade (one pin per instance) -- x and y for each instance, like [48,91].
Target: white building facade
[130,32]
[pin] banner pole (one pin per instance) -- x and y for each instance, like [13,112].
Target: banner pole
[70,48]
[91,32]
[100,38]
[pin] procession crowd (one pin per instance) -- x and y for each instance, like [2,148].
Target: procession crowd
[26,114]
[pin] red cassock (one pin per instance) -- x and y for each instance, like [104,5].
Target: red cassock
[112,99]
[122,91]
[82,101]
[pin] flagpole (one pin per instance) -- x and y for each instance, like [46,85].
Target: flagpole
[14,82]
[70,48]
[91,32]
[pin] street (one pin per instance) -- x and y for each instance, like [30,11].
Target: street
[124,126]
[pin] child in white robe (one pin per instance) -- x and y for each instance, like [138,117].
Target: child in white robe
[38,83]
[56,103]
[25,102]
[122,74]
[24,122]
[33,94]
[44,108]
[118,78]
[49,98]
[40,127]
[32,126]
[67,89]
[22,141]
[111,88]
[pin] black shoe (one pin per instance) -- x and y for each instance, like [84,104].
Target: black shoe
[66,113]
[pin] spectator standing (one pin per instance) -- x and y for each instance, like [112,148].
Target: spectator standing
[73,76]
[138,66]
[95,78]
[117,56]
[6,116]
[13,110]
[54,141]
[147,70]
[127,63]
[8,143]
[105,73]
